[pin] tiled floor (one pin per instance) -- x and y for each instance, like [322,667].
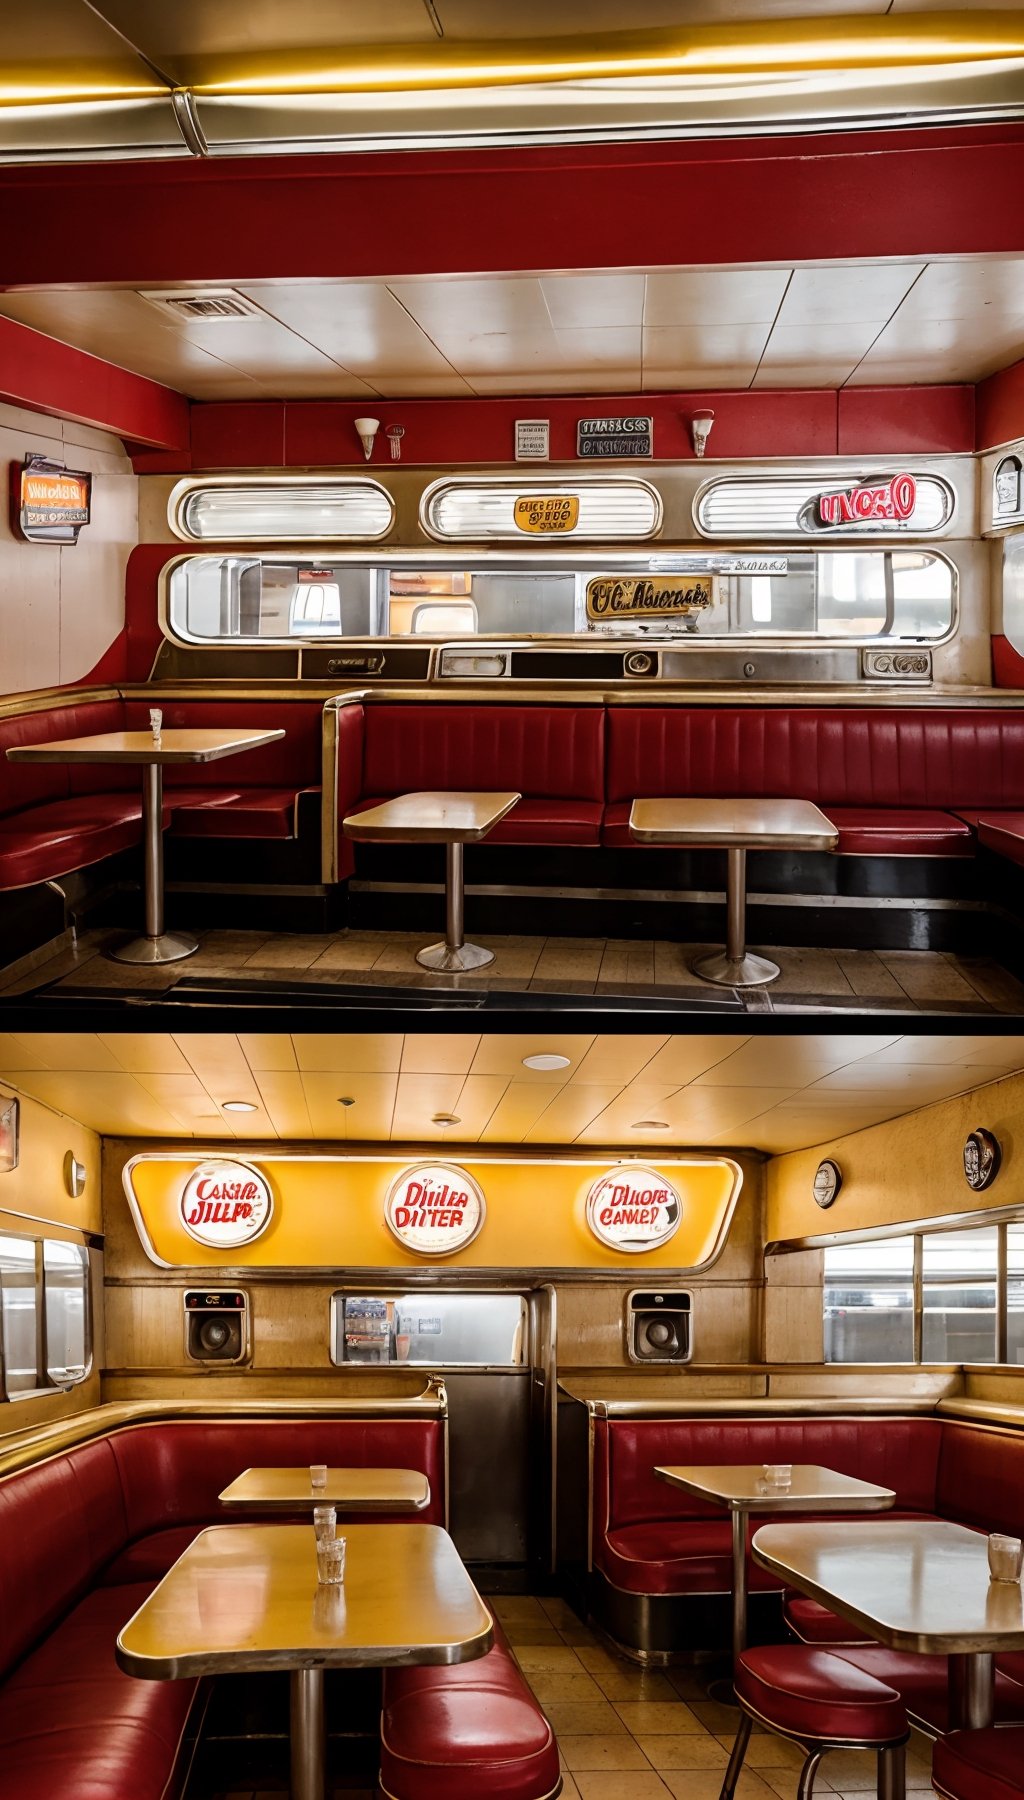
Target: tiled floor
[811,980]
[625,1734]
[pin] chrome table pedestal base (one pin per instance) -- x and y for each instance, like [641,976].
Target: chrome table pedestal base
[735,966]
[308,1742]
[158,945]
[454,956]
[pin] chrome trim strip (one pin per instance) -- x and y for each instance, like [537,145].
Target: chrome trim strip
[674,896]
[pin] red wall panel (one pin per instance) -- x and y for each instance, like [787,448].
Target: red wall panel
[49,377]
[892,420]
[1001,407]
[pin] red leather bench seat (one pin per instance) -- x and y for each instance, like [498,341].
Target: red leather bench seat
[58,817]
[72,1725]
[924,1683]
[650,1538]
[814,1624]
[462,1732]
[814,1694]
[980,1765]
[893,782]
[83,1537]
[1003,833]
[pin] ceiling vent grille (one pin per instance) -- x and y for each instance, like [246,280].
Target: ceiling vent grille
[213,303]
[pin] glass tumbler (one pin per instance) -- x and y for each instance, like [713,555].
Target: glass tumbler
[325,1519]
[778,1475]
[318,1475]
[330,1561]
[1005,1557]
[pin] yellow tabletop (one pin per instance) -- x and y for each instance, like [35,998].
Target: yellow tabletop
[431,818]
[245,1597]
[733,824]
[173,746]
[357,1490]
[743,1487]
[913,1584]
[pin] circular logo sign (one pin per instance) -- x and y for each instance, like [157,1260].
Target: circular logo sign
[633,1208]
[828,1179]
[434,1208]
[225,1204]
[982,1157]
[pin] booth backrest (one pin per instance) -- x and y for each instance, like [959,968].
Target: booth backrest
[851,757]
[541,751]
[898,1453]
[293,761]
[171,1474]
[981,1477]
[30,784]
[63,1520]
[60,1521]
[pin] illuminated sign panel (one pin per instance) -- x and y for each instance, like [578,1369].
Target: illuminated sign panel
[51,503]
[373,1212]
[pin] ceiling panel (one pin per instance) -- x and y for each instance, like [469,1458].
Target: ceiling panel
[638,1090]
[588,332]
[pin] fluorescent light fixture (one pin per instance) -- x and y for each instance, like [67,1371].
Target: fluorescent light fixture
[238,1106]
[546,1060]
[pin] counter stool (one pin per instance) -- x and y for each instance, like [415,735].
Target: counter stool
[822,1703]
[980,1765]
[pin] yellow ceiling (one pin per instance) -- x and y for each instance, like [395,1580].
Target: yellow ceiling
[769,1093]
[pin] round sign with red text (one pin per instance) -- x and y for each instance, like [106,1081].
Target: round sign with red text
[226,1204]
[633,1208]
[434,1209]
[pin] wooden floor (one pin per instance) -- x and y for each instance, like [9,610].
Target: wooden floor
[812,981]
[628,1735]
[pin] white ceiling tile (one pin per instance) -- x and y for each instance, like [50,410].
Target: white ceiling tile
[592,300]
[792,347]
[422,387]
[536,386]
[359,324]
[453,307]
[837,293]
[713,297]
[709,347]
[972,288]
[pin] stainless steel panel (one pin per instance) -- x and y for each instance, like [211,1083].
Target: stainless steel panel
[491,1464]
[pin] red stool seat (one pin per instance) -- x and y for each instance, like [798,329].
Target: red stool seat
[980,1765]
[814,1624]
[814,1695]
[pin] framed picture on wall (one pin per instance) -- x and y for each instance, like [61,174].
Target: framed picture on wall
[8,1133]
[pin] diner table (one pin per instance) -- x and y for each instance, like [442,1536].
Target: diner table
[919,1585]
[245,1598]
[151,752]
[451,819]
[735,826]
[349,1490]
[743,1488]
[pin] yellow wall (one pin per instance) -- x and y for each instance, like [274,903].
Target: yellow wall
[906,1171]
[33,1198]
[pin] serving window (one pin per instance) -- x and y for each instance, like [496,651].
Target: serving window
[904,595]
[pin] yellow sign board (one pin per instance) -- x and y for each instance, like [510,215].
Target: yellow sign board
[546,514]
[330,1212]
[648,596]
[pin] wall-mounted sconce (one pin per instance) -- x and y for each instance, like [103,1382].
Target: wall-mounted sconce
[74,1175]
[394,435]
[367,429]
[700,431]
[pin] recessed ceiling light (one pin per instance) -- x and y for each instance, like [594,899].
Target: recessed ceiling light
[649,1125]
[238,1106]
[346,1100]
[445,1119]
[546,1061]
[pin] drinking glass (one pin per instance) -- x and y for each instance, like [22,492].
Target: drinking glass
[779,1475]
[325,1518]
[318,1475]
[330,1561]
[156,722]
[1005,1557]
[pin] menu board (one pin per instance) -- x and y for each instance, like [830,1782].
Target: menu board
[648,596]
[51,503]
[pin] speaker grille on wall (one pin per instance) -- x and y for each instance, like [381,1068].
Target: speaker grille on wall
[217,1326]
[658,1327]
